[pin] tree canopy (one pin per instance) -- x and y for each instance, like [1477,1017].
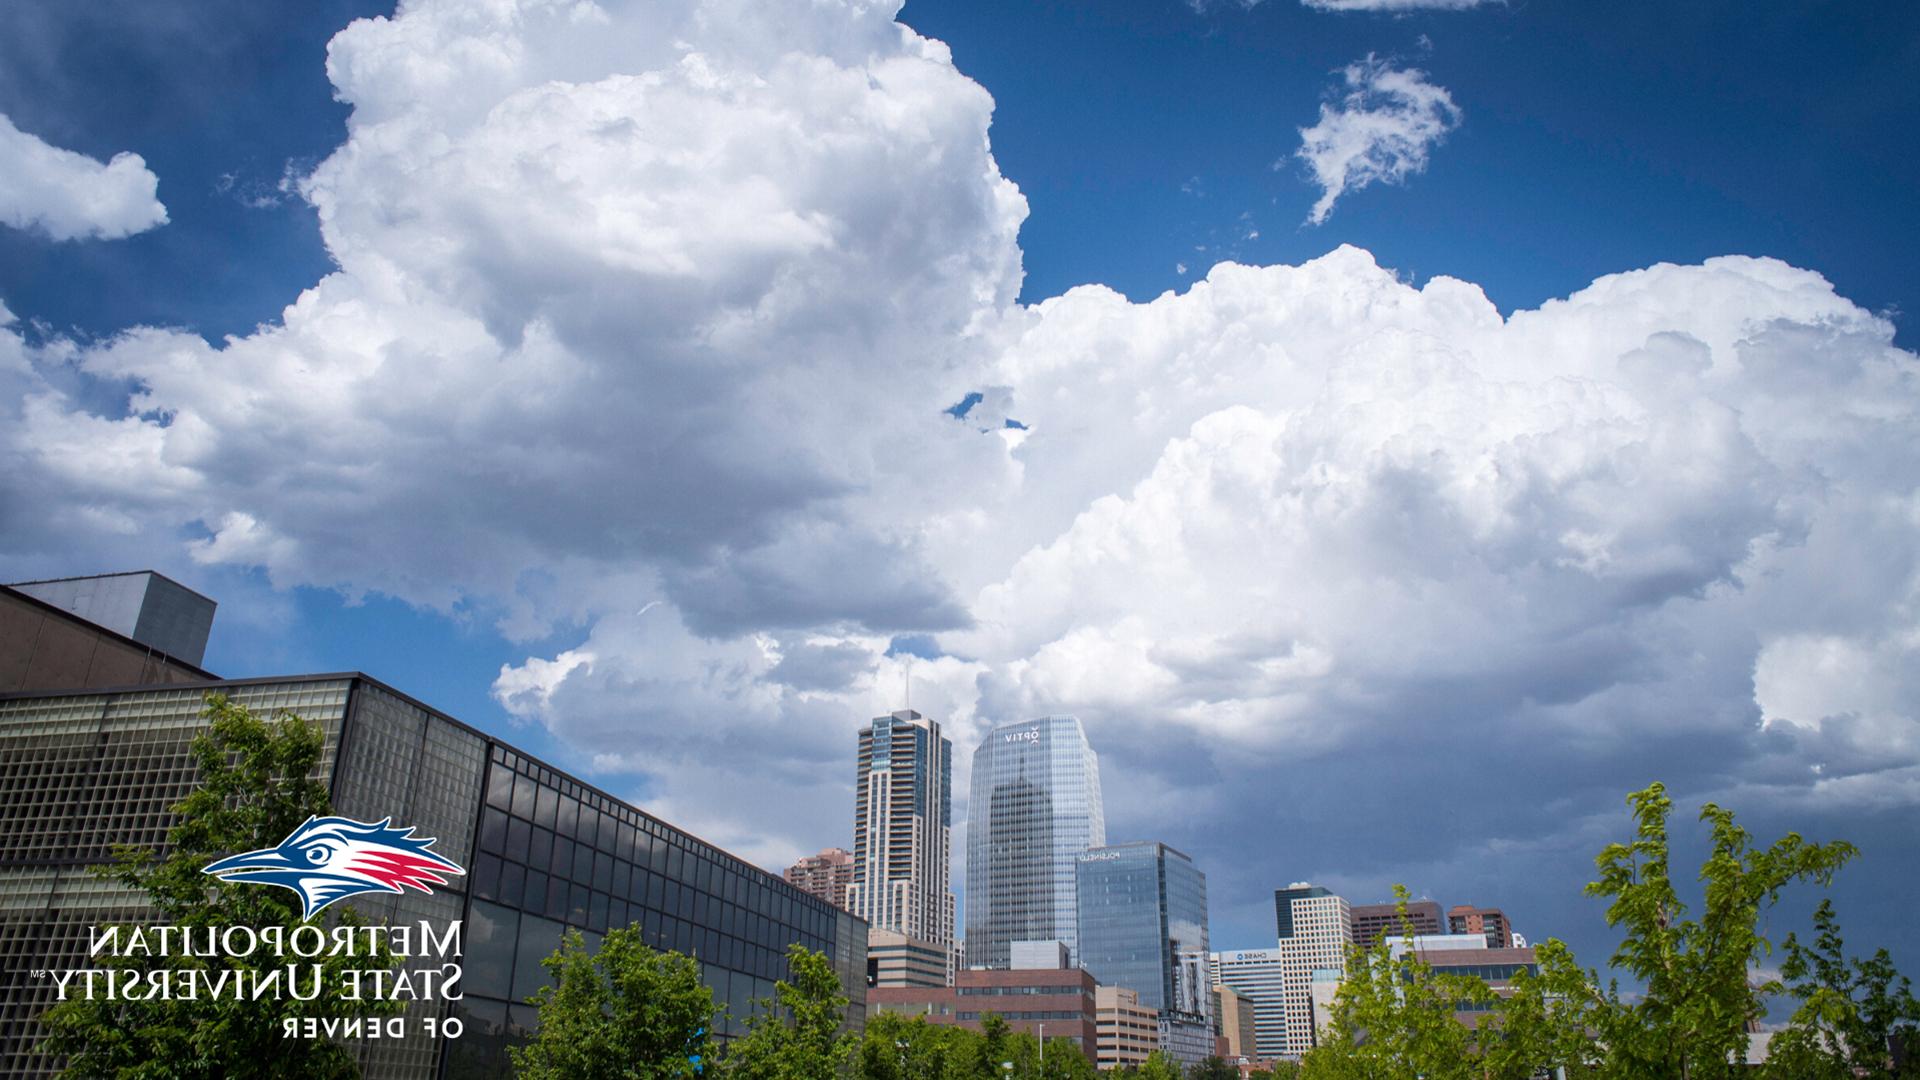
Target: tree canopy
[1850,1010]
[799,1034]
[624,1011]
[1697,989]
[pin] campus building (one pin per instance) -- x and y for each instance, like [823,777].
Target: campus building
[1057,1004]
[902,824]
[47,640]
[1035,808]
[85,769]
[1143,925]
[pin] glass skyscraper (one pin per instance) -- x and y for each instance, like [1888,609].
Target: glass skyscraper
[1035,809]
[1143,925]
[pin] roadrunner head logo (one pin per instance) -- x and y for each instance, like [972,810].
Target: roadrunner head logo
[332,858]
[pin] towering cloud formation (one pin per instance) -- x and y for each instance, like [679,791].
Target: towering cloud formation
[71,196]
[647,320]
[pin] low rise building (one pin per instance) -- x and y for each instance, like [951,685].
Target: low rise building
[1468,954]
[49,642]
[1055,1003]
[1128,1030]
[1186,1037]
[895,959]
[1233,1022]
[94,762]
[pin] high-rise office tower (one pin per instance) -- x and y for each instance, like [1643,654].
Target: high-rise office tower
[825,875]
[1315,929]
[1035,809]
[1371,922]
[1257,976]
[1143,925]
[1467,919]
[902,817]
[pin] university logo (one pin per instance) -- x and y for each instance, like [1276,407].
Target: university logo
[332,858]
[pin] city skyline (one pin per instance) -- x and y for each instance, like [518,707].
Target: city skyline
[1396,435]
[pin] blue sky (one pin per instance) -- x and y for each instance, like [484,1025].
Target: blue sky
[715,458]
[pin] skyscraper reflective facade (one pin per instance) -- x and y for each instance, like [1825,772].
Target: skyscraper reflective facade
[1035,809]
[1143,922]
[902,823]
[1143,925]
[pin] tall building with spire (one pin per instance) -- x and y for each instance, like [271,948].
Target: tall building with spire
[1035,809]
[902,818]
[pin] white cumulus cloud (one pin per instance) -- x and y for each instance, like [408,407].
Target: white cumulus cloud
[71,196]
[1382,128]
[645,324]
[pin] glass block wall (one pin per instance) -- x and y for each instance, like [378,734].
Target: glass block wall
[554,854]
[80,773]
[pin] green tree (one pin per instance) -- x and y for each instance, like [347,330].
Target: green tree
[798,1035]
[1160,1066]
[1394,1017]
[257,783]
[623,1011]
[1063,1059]
[1691,1021]
[995,1047]
[1213,1067]
[896,1047]
[1849,1010]
[1542,1023]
